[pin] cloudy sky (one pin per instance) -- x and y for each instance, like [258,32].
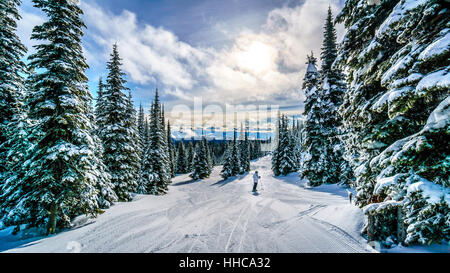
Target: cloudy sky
[203,54]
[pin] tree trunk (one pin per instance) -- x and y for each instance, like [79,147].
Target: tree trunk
[51,228]
[400,225]
[370,223]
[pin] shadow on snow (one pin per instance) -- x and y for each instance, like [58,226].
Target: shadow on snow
[224,182]
[186,182]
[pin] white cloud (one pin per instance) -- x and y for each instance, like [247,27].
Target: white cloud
[25,27]
[265,67]
[288,35]
[234,74]
[297,31]
[148,53]
[185,133]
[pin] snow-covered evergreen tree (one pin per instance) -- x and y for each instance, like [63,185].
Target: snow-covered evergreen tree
[255,149]
[182,157]
[396,114]
[201,165]
[156,174]
[60,179]
[117,133]
[275,157]
[285,160]
[232,162]
[100,107]
[226,152]
[244,152]
[141,125]
[135,156]
[252,146]
[323,161]
[106,195]
[190,155]
[313,165]
[16,150]
[11,81]
[212,156]
[14,126]
[331,97]
[297,128]
[171,151]
[146,135]
[208,154]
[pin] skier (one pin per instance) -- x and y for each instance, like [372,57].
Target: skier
[350,195]
[256,178]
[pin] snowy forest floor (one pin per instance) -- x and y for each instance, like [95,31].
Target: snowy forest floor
[213,215]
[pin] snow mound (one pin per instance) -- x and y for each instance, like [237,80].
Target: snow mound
[440,117]
[383,183]
[439,79]
[439,47]
[435,193]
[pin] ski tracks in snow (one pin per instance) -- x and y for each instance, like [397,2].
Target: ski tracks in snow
[212,215]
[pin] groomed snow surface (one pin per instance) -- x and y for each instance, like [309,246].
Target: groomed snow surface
[213,215]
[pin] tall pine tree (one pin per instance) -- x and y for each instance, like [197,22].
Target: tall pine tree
[156,173]
[135,157]
[190,155]
[100,115]
[116,133]
[106,195]
[201,165]
[332,89]
[182,159]
[61,178]
[232,162]
[313,165]
[141,125]
[15,152]
[245,153]
[11,81]
[284,154]
[142,133]
[171,151]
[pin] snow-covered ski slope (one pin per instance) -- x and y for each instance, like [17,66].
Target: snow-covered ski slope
[213,215]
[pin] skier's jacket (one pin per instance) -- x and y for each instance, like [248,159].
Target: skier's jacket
[256,177]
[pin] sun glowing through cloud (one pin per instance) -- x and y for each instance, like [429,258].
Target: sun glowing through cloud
[257,57]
